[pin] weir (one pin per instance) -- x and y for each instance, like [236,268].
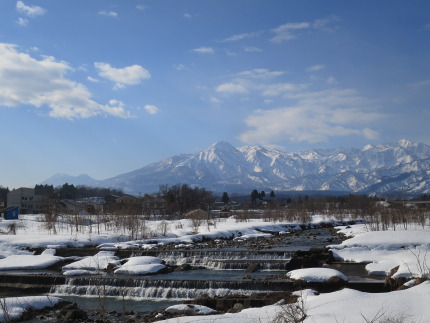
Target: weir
[223,259]
[164,289]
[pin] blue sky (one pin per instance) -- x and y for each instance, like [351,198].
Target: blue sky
[106,87]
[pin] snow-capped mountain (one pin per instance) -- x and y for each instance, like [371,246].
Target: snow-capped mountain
[403,167]
[60,179]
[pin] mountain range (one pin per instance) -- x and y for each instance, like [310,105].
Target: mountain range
[402,168]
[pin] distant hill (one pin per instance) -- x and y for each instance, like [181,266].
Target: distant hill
[400,168]
[60,179]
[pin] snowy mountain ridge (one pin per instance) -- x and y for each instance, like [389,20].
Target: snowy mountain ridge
[403,167]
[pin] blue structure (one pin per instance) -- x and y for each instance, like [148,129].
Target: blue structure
[10,213]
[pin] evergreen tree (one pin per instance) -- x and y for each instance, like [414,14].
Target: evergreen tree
[262,195]
[272,194]
[225,198]
[254,196]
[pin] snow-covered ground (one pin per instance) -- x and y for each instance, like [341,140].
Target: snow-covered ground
[381,250]
[347,305]
[13,307]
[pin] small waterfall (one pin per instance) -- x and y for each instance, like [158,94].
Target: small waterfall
[244,264]
[219,260]
[162,289]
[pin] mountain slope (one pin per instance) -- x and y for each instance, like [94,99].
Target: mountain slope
[374,169]
[60,179]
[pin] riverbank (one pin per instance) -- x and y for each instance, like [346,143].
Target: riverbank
[253,243]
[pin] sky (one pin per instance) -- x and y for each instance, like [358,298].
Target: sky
[105,87]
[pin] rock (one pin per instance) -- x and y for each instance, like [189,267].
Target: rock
[159,316]
[183,267]
[75,315]
[238,307]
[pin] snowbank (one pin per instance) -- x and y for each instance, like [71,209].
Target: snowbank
[142,265]
[14,307]
[190,308]
[385,250]
[100,261]
[316,275]
[346,305]
[18,262]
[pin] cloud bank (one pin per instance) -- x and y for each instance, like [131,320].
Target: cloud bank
[25,80]
[129,75]
[31,11]
[314,118]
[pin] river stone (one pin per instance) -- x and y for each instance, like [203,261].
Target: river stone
[74,315]
[238,307]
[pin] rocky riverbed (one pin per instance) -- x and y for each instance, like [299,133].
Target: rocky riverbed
[312,241]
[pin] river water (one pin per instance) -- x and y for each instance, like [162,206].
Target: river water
[224,274]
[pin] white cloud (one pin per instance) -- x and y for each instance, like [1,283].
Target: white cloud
[215,100]
[421,84]
[252,49]
[231,88]
[27,81]
[286,31]
[281,88]
[179,67]
[323,23]
[230,53]
[112,14]
[370,134]
[151,109]
[315,68]
[129,75]
[31,11]
[289,30]
[22,22]
[240,37]
[92,79]
[204,50]
[187,15]
[331,80]
[261,73]
[140,7]
[315,117]
[259,80]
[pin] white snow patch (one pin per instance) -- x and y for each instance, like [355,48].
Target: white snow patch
[142,265]
[99,261]
[16,306]
[315,275]
[187,308]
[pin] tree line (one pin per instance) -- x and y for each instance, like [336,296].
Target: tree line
[72,192]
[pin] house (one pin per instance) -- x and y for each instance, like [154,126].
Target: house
[128,204]
[10,213]
[128,199]
[26,200]
[154,205]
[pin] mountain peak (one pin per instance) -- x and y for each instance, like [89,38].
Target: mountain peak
[221,145]
[375,169]
[404,143]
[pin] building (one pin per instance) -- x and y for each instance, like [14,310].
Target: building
[9,213]
[26,200]
[154,205]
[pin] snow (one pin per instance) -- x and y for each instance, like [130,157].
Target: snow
[385,250]
[346,305]
[142,265]
[80,272]
[380,250]
[315,275]
[17,262]
[14,307]
[98,262]
[187,308]
[222,165]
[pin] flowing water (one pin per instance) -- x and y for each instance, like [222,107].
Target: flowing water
[224,274]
